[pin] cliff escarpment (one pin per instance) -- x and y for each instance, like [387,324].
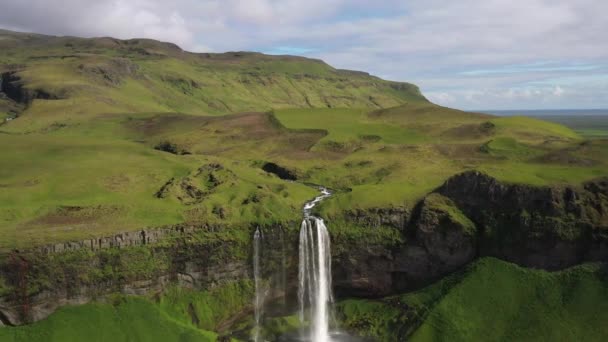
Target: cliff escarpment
[474,215]
[376,252]
[34,283]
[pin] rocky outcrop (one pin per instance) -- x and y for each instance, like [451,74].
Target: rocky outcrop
[13,88]
[195,187]
[470,216]
[438,239]
[543,227]
[120,240]
[363,271]
[112,72]
[395,217]
[442,240]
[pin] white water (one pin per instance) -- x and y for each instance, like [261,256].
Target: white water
[315,289]
[309,205]
[259,291]
[314,273]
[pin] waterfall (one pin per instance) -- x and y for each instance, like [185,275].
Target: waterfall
[314,273]
[259,290]
[283,280]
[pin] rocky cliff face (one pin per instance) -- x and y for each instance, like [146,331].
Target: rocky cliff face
[475,215]
[543,227]
[471,215]
[36,282]
[12,86]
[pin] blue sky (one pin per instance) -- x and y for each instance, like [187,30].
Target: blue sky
[469,54]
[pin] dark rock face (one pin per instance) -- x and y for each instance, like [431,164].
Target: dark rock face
[542,227]
[280,171]
[189,256]
[475,215]
[438,240]
[12,87]
[364,271]
[395,217]
[444,240]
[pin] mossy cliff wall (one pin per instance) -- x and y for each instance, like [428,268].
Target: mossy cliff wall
[376,252]
[470,216]
[34,283]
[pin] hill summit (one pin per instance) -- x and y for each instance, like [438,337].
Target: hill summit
[87,76]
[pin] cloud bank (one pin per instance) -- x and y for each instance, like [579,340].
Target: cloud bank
[470,54]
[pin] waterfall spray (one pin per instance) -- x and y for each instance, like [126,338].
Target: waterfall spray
[283,280]
[314,273]
[259,291]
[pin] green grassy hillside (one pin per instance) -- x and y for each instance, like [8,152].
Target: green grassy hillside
[492,301]
[69,79]
[99,136]
[71,184]
[392,157]
[106,174]
[110,135]
[177,315]
[134,320]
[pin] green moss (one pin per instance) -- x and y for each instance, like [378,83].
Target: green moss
[373,319]
[443,204]
[347,235]
[207,310]
[278,326]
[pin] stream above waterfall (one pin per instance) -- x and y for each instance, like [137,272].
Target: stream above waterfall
[316,322]
[308,206]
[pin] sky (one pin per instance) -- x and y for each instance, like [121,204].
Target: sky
[467,54]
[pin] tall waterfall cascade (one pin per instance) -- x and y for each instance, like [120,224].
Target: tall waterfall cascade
[314,273]
[314,276]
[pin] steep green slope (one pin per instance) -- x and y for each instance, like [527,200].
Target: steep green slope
[177,315]
[492,301]
[134,320]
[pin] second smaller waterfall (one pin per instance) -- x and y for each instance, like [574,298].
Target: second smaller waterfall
[259,287]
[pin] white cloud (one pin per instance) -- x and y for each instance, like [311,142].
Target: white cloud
[558,91]
[441,97]
[441,45]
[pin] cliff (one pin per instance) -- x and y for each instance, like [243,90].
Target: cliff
[376,252]
[473,215]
